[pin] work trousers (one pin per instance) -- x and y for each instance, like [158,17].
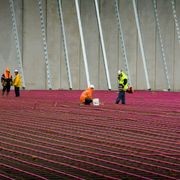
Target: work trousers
[6,88]
[121,97]
[88,101]
[17,91]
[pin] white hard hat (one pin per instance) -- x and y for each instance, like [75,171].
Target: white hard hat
[119,71]
[91,86]
[15,70]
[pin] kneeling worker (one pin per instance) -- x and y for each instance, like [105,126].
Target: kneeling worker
[87,95]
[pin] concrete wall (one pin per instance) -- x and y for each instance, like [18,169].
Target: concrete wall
[7,43]
[31,44]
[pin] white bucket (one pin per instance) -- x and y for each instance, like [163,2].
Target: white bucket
[96,102]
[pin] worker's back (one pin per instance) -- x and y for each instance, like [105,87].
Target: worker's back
[86,94]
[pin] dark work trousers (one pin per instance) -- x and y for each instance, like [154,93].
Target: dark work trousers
[6,88]
[17,91]
[121,97]
[88,101]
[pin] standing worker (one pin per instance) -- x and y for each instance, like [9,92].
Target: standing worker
[87,95]
[17,83]
[122,86]
[6,81]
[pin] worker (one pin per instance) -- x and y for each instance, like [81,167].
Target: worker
[6,81]
[87,95]
[17,83]
[122,87]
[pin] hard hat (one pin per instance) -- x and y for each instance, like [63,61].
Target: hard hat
[15,70]
[119,71]
[91,86]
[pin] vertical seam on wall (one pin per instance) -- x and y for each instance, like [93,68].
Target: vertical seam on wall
[46,33]
[155,46]
[118,36]
[80,49]
[155,53]
[22,35]
[155,86]
[60,46]
[137,47]
[99,46]
[174,46]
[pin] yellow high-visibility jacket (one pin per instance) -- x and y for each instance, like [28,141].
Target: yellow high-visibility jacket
[121,80]
[17,81]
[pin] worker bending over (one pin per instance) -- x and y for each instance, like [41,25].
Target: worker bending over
[87,95]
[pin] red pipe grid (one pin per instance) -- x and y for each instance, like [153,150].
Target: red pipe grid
[47,135]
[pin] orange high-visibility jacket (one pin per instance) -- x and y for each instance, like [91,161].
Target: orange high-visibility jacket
[7,73]
[86,94]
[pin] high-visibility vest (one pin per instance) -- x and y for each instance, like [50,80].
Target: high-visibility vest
[121,81]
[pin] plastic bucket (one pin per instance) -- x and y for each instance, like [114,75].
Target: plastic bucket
[96,102]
